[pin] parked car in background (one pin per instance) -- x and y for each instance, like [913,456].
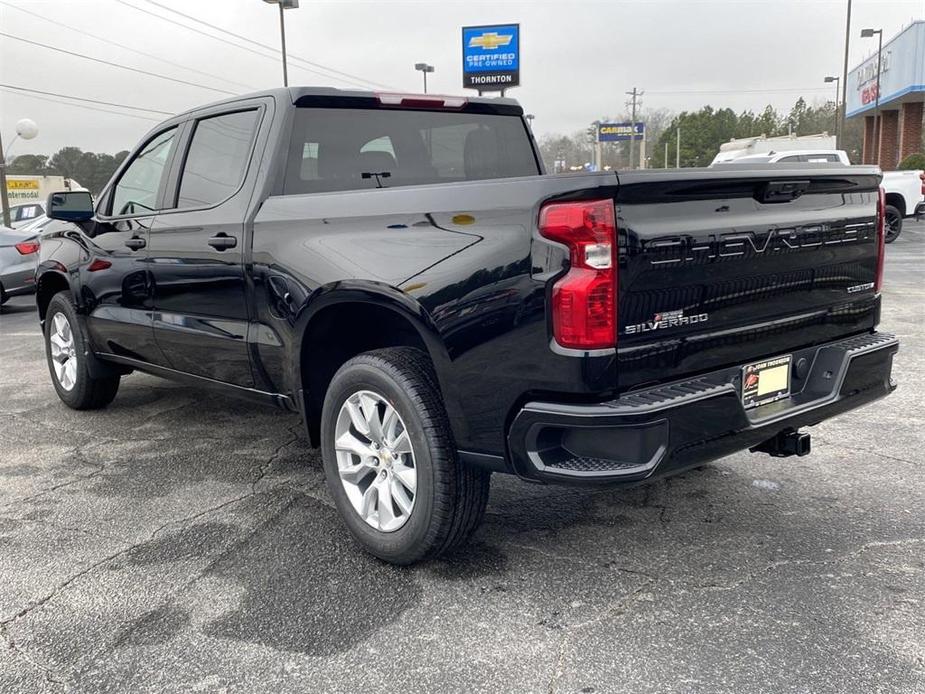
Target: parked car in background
[905,190]
[747,146]
[25,213]
[19,254]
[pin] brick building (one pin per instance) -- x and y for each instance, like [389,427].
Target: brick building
[897,133]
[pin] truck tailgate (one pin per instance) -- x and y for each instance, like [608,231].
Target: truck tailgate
[720,267]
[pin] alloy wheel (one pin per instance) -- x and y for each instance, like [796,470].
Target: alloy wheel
[63,351]
[375,460]
[892,222]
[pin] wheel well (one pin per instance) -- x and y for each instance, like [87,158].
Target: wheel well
[49,284]
[897,201]
[339,333]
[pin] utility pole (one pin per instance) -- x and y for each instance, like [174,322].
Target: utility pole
[633,103]
[666,154]
[677,156]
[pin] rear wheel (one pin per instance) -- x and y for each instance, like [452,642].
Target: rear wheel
[893,224]
[67,352]
[390,461]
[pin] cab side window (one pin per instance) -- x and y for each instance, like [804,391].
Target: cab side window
[217,160]
[137,189]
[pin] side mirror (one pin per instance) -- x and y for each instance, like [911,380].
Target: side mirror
[70,206]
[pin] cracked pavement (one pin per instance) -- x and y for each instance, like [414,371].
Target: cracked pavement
[181,541]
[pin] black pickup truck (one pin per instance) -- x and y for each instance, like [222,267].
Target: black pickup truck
[399,270]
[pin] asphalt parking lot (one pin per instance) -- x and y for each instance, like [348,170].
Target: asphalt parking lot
[180,541]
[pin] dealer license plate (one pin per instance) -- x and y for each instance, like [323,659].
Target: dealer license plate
[765,381]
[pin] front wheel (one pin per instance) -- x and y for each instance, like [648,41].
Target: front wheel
[68,357]
[893,224]
[390,461]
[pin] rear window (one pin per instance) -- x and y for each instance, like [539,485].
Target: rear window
[353,149]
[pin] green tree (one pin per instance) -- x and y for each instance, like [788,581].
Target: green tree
[29,164]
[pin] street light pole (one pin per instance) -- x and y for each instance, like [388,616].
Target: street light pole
[424,68]
[26,129]
[283,6]
[282,41]
[844,77]
[837,119]
[878,125]
[4,193]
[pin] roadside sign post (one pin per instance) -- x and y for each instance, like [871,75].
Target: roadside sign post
[622,132]
[491,57]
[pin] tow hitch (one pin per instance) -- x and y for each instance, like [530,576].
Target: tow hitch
[785,444]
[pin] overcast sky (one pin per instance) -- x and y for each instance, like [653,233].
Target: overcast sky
[578,56]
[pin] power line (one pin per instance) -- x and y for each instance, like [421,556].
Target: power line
[274,58]
[268,47]
[111,64]
[80,98]
[91,108]
[82,32]
[739,91]
[198,31]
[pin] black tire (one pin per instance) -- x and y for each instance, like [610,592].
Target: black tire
[87,392]
[450,498]
[893,224]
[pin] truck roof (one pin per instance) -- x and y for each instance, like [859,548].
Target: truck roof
[303,94]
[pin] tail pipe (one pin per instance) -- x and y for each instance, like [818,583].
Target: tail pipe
[785,444]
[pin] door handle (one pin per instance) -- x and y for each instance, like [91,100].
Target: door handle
[223,242]
[136,243]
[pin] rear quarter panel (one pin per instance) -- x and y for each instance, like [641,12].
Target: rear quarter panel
[459,256]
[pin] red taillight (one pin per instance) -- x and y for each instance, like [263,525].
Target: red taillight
[584,309]
[27,247]
[881,236]
[98,264]
[922,176]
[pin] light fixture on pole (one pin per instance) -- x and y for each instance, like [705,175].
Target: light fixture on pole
[878,126]
[425,68]
[283,6]
[836,80]
[25,129]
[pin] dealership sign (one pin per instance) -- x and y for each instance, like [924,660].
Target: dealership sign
[902,72]
[491,57]
[617,132]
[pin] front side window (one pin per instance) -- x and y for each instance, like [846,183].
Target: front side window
[136,191]
[217,159]
[336,149]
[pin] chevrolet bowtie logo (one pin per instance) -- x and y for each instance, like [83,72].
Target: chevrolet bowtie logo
[490,40]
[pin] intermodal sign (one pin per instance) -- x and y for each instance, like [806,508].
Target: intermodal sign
[22,189]
[617,132]
[491,57]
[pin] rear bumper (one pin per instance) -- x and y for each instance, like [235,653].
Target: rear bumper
[668,428]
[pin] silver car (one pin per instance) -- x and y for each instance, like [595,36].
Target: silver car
[19,255]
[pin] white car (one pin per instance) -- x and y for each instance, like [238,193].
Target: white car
[905,190]
[25,213]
